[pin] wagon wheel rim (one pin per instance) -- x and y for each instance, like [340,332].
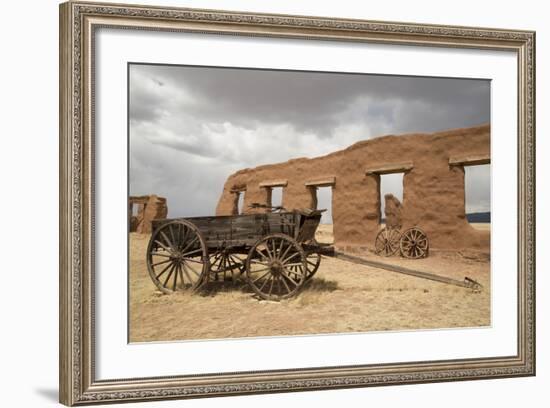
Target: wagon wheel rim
[313,261]
[387,241]
[177,257]
[414,243]
[268,267]
[223,262]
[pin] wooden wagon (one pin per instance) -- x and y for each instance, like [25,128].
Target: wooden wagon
[276,252]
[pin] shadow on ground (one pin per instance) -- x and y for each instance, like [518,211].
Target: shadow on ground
[321,285]
[318,285]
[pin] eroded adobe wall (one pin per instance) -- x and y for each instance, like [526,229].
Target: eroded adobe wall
[433,190]
[149,208]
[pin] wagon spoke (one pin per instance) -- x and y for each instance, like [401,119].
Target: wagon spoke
[274,247]
[176,278]
[181,278]
[164,270]
[286,251]
[162,245]
[169,275]
[290,279]
[168,240]
[190,244]
[161,262]
[259,251]
[184,268]
[281,247]
[224,266]
[294,264]
[161,254]
[285,284]
[192,252]
[191,269]
[260,270]
[258,262]
[265,282]
[262,276]
[183,232]
[268,250]
[217,257]
[187,259]
[290,257]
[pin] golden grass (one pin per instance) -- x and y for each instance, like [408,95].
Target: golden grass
[342,297]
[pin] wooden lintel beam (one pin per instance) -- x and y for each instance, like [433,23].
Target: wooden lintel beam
[274,183]
[471,160]
[325,182]
[390,168]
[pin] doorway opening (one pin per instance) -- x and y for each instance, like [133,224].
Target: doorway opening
[324,201]
[477,195]
[389,184]
[276,197]
[240,202]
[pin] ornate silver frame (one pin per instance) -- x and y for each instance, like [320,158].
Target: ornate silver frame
[78,21]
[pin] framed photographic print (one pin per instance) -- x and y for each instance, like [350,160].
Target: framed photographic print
[258,203]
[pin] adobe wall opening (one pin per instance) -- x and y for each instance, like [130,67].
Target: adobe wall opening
[238,200]
[477,193]
[321,192]
[389,184]
[476,171]
[276,196]
[142,210]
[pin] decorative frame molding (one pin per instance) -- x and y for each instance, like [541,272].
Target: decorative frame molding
[78,21]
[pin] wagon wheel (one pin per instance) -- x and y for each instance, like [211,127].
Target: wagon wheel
[177,257]
[414,243]
[313,260]
[222,262]
[387,241]
[268,267]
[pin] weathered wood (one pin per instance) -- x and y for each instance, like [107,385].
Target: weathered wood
[390,168]
[246,229]
[274,183]
[471,160]
[324,182]
[466,283]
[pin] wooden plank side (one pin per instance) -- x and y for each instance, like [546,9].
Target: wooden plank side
[238,229]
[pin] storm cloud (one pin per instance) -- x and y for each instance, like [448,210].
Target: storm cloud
[190,127]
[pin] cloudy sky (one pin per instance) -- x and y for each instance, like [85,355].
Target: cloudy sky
[191,127]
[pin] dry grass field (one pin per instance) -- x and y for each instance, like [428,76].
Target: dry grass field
[342,297]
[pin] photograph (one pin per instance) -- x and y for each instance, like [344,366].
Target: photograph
[266,202]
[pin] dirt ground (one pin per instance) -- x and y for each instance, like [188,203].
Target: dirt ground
[341,297]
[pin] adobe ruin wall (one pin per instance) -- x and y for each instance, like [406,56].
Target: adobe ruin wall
[149,208]
[433,186]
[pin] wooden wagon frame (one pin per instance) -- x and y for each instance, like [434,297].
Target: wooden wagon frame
[276,251]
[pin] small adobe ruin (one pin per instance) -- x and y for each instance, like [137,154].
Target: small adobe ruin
[433,186]
[149,207]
